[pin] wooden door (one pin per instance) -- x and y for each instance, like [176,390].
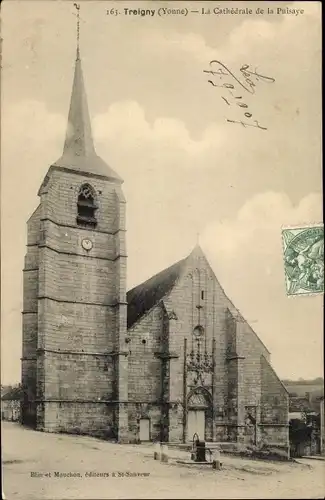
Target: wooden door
[144,429]
[196,424]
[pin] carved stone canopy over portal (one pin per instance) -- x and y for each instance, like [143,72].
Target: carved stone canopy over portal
[199,399]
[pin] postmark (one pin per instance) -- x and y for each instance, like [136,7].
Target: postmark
[303,249]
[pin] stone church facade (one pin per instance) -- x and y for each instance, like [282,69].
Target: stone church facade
[171,357]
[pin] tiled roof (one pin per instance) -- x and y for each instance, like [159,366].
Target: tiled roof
[143,297]
[13,394]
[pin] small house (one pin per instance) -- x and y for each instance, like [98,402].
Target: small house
[10,404]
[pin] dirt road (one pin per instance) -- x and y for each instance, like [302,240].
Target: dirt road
[38,465]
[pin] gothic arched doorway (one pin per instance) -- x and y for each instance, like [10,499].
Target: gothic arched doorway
[199,404]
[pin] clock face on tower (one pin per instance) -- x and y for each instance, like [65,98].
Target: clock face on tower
[87,244]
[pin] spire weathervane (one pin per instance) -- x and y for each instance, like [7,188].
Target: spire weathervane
[77,6]
[79,152]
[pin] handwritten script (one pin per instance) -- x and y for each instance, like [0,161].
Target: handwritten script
[238,87]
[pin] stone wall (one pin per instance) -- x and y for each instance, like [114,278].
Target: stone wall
[145,373]
[137,411]
[30,321]
[235,384]
[79,298]
[144,365]
[61,193]
[274,408]
[75,327]
[78,376]
[95,418]
[198,299]
[251,348]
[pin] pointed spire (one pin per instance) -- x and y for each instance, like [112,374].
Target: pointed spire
[78,140]
[79,151]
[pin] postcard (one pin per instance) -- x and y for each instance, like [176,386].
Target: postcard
[162,247]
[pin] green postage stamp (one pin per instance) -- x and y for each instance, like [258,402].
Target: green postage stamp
[304,259]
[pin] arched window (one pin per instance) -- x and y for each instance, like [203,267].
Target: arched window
[86,206]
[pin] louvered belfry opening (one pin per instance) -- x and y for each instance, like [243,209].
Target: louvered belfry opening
[86,206]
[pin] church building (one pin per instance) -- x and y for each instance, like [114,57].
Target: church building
[170,358]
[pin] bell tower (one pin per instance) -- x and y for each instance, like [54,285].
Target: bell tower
[74,365]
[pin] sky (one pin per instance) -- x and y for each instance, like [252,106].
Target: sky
[163,127]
